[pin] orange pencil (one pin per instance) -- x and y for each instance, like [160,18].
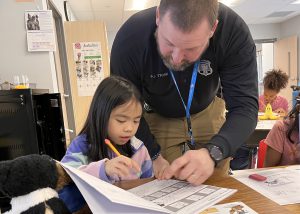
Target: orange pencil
[112,147]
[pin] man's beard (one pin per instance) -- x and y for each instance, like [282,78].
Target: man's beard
[167,60]
[168,63]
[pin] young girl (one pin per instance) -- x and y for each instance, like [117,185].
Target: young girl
[114,114]
[283,141]
[274,81]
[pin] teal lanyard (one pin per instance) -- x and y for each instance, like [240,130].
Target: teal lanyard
[189,103]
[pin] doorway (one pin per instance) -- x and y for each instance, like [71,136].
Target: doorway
[61,67]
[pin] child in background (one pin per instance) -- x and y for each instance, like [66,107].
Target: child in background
[283,141]
[274,81]
[114,114]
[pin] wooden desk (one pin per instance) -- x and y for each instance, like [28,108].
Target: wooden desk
[253,199]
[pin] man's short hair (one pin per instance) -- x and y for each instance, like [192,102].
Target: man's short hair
[187,14]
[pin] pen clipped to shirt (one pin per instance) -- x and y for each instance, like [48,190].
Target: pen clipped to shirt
[111,146]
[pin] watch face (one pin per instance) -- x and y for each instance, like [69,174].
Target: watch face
[216,153]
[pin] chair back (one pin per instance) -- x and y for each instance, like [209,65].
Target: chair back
[262,148]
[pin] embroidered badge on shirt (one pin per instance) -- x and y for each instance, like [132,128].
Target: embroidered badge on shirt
[205,68]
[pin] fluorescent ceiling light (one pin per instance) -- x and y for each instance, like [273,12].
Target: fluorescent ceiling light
[135,4]
[229,3]
[296,2]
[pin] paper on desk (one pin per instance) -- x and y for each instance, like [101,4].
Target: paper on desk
[282,185]
[103,197]
[294,167]
[265,124]
[181,197]
[233,207]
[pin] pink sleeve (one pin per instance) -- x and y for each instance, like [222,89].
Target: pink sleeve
[285,104]
[261,103]
[277,136]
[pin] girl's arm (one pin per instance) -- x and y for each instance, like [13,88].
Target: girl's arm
[272,157]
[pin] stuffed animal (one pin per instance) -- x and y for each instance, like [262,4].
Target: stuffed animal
[29,184]
[268,115]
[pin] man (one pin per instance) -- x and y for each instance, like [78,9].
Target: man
[179,55]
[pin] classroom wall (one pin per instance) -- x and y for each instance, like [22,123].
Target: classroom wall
[14,57]
[290,28]
[265,31]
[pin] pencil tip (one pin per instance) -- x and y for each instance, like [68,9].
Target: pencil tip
[106,141]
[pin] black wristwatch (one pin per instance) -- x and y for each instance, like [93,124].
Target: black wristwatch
[215,153]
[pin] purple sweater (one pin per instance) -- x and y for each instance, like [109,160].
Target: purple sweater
[76,156]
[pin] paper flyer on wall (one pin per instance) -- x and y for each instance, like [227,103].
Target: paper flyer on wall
[40,30]
[168,196]
[89,67]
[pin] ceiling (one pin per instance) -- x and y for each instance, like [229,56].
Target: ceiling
[112,12]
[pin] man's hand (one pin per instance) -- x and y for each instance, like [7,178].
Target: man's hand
[159,166]
[195,166]
[121,166]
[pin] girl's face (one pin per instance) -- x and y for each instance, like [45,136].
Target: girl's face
[124,121]
[269,95]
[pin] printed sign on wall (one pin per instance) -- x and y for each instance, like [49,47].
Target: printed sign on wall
[40,30]
[89,68]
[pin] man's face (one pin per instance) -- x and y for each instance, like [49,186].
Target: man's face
[178,49]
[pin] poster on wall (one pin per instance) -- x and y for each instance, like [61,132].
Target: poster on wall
[89,67]
[40,30]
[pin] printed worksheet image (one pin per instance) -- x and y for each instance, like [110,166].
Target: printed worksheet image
[229,208]
[180,196]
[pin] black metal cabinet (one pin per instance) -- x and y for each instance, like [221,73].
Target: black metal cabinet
[31,122]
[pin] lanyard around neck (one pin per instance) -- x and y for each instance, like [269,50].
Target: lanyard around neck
[190,98]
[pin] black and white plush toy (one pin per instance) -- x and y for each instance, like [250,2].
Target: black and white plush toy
[29,184]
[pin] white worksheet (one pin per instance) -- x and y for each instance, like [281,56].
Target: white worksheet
[181,197]
[103,197]
[230,208]
[282,184]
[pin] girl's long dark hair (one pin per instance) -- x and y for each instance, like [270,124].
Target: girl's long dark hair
[294,126]
[111,92]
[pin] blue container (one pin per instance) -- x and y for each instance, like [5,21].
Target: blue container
[295,94]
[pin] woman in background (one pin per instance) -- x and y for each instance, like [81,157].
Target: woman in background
[274,81]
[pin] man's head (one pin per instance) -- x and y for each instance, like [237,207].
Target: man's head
[184,29]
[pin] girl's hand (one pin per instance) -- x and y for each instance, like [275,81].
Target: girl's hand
[281,112]
[121,166]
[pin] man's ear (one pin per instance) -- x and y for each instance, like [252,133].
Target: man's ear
[157,16]
[214,27]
